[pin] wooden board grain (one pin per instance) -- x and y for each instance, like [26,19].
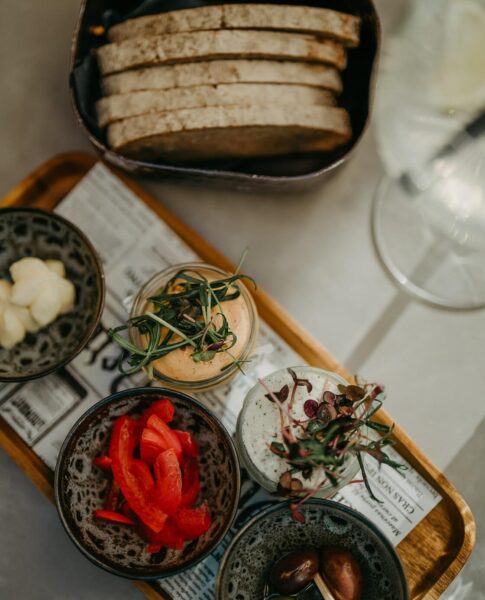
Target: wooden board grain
[432,554]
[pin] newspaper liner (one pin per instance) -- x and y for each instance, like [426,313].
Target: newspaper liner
[119,224]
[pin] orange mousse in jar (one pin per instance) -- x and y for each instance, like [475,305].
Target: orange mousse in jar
[205,322]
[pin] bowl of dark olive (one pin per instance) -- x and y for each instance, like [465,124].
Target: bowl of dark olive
[335,554]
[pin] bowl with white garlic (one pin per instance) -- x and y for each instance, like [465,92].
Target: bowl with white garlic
[51,292]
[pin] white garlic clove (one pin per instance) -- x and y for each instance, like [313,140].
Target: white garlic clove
[5,289]
[25,291]
[12,330]
[47,304]
[56,266]
[23,314]
[28,267]
[67,294]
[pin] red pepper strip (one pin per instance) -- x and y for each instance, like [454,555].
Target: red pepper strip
[169,536]
[103,462]
[151,444]
[144,476]
[192,522]
[163,408]
[126,510]
[171,440]
[113,517]
[123,440]
[113,496]
[153,548]
[191,482]
[168,491]
[189,445]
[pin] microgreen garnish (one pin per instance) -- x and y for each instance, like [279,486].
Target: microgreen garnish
[186,312]
[336,428]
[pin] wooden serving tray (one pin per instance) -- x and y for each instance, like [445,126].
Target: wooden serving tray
[432,554]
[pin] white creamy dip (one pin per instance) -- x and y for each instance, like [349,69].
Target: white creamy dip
[259,423]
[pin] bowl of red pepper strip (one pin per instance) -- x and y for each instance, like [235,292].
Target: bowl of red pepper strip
[147,483]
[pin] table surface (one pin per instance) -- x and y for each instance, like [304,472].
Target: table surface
[430,359]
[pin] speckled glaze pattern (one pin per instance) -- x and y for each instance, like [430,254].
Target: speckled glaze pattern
[32,232]
[273,533]
[81,487]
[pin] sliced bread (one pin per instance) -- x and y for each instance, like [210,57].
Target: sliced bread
[124,106]
[223,71]
[207,45]
[305,19]
[231,131]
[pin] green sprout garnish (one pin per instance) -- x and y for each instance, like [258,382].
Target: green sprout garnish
[186,312]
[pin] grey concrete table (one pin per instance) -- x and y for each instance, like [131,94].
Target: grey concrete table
[431,360]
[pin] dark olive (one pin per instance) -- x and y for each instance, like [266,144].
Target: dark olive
[342,573]
[294,571]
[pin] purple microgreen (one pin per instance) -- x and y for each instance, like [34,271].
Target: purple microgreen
[310,407]
[326,412]
[282,395]
[296,514]
[300,382]
[333,432]
[281,408]
[216,345]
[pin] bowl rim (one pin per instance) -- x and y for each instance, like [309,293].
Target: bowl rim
[101,301]
[156,391]
[329,504]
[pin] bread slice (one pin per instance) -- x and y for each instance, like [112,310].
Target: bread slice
[304,19]
[206,45]
[123,106]
[231,131]
[223,71]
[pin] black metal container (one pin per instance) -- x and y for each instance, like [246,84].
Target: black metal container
[287,172]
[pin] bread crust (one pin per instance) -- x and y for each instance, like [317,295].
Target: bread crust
[337,25]
[210,45]
[223,71]
[124,106]
[231,131]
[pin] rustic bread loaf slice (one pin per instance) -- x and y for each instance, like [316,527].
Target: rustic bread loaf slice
[231,131]
[223,71]
[305,19]
[207,45]
[124,106]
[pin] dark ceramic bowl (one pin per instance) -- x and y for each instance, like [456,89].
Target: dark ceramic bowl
[80,488]
[272,533]
[34,232]
[282,172]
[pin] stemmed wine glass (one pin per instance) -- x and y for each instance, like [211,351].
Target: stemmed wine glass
[429,223]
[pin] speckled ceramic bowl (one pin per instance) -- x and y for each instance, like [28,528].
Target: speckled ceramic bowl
[80,487]
[272,533]
[33,232]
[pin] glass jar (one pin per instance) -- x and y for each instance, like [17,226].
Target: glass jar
[259,424]
[177,369]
